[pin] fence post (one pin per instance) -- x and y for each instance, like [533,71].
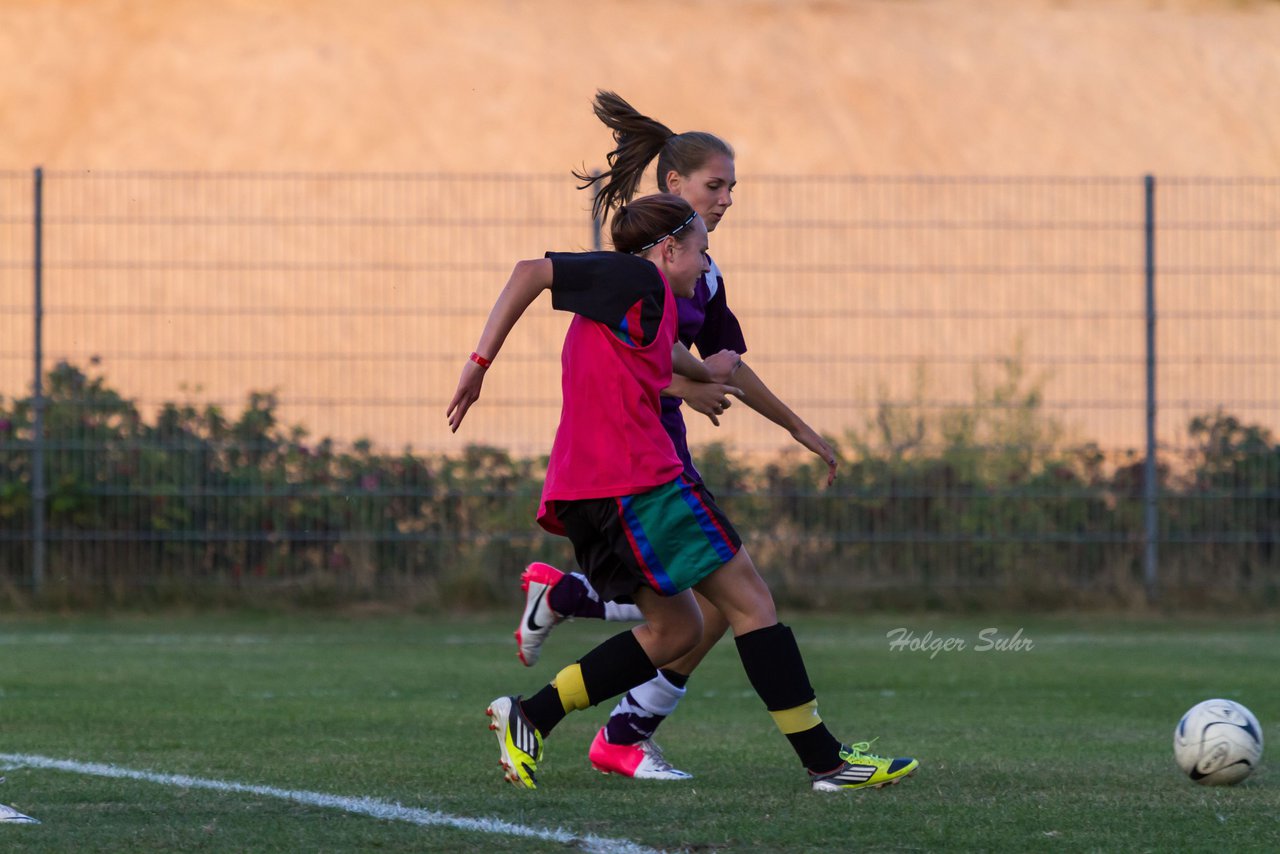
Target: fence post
[1150,566]
[597,222]
[39,493]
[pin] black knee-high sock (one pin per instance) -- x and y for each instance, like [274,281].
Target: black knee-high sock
[776,670]
[617,665]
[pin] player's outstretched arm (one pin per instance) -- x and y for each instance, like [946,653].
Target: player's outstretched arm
[758,396]
[711,399]
[717,368]
[721,366]
[528,279]
[703,384]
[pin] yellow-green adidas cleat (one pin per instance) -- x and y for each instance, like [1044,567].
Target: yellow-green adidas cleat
[862,770]
[518,740]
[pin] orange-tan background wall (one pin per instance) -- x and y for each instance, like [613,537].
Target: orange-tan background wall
[870,87]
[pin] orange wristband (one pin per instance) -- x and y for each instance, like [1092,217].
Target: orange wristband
[481,360]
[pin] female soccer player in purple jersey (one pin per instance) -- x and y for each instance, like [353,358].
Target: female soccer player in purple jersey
[698,167]
[639,525]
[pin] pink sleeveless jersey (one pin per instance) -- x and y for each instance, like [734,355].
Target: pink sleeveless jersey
[611,441]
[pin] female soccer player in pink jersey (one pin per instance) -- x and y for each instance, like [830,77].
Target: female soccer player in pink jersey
[640,527]
[698,167]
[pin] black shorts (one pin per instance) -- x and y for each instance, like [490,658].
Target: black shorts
[667,539]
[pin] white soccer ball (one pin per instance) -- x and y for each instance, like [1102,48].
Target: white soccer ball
[1217,743]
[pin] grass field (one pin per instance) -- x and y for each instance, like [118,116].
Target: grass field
[1063,746]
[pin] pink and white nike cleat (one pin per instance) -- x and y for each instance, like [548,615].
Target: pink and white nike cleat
[642,761]
[538,619]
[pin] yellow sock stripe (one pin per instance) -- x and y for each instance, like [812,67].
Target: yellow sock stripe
[571,688]
[797,719]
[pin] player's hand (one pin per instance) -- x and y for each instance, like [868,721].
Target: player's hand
[711,399]
[468,393]
[811,440]
[722,365]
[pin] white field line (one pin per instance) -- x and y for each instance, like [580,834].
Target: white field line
[360,806]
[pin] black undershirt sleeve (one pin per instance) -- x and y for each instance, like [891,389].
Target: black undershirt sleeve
[609,287]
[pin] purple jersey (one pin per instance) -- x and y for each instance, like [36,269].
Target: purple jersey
[707,324]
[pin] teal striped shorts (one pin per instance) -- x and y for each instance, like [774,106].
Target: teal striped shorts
[667,539]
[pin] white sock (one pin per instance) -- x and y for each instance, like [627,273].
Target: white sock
[618,613]
[642,710]
[657,697]
[613,612]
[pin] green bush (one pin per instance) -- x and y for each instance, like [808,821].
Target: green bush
[980,506]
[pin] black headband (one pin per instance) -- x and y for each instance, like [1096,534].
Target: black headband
[672,233]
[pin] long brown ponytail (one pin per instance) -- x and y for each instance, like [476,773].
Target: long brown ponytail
[639,140]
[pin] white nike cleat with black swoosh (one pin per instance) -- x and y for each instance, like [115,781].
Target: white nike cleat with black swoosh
[538,619]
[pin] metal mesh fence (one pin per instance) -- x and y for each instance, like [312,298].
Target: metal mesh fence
[248,375]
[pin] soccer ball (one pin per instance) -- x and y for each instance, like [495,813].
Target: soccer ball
[1217,743]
